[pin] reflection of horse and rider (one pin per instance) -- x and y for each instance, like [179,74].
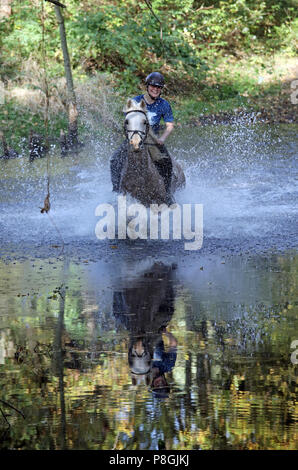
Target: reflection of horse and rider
[154,108]
[145,309]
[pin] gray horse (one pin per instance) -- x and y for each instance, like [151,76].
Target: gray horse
[141,157]
[144,307]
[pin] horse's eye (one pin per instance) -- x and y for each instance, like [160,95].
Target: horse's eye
[126,121]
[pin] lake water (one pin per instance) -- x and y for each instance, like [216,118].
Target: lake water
[217,325]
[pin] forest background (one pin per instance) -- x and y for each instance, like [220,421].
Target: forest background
[219,59]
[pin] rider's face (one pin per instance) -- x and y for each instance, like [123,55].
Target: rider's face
[154,91]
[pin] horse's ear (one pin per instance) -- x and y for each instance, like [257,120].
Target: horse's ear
[143,105]
[127,105]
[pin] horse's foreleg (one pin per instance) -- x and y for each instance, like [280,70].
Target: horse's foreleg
[116,164]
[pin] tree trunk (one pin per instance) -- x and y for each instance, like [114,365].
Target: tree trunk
[72,103]
[5,8]
[59,365]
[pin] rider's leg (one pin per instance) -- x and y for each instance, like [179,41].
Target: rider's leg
[165,168]
[116,164]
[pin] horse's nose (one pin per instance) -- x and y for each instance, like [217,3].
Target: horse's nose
[134,145]
[139,348]
[135,141]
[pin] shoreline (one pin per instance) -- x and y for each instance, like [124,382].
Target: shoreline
[280,111]
[264,116]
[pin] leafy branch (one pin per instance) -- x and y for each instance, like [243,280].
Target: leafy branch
[148,3]
[55,2]
[5,403]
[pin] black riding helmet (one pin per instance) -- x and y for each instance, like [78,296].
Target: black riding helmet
[155,79]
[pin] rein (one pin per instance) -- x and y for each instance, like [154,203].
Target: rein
[141,134]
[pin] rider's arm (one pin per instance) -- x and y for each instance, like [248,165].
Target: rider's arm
[171,338]
[169,128]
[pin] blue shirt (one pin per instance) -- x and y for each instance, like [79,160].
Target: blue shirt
[164,361]
[157,110]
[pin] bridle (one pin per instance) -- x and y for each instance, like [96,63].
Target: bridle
[141,134]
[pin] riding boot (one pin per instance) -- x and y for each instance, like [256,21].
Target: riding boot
[165,169]
[116,163]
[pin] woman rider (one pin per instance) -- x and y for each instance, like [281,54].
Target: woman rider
[157,108]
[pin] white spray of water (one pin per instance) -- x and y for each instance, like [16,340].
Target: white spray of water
[243,176]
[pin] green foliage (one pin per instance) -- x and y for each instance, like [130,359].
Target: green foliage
[285,37]
[125,37]
[114,40]
[199,50]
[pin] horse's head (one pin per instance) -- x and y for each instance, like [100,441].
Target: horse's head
[139,357]
[136,123]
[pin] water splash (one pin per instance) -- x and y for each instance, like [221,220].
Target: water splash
[243,175]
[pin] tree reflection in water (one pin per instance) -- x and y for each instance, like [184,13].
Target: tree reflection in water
[80,364]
